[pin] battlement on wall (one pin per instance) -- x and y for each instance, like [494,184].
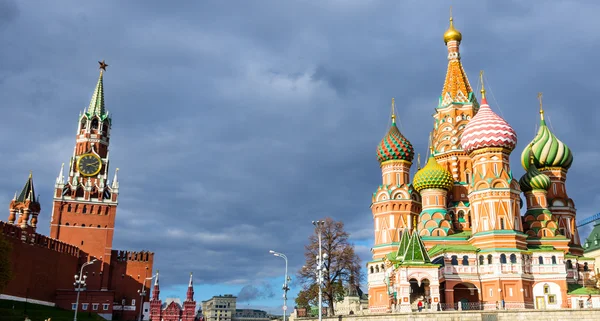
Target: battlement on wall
[14,233]
[132,256]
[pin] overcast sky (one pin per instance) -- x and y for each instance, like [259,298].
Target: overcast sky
[236,123]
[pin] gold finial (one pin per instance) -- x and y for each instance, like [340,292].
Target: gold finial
[539,96]
[418,161]
[482,85]
[30,173]
[103,65]
[393,111]
[452,33]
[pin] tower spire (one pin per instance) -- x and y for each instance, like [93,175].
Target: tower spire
[482,87]
[96,106]
[393,111]
[190,291]
[539,96]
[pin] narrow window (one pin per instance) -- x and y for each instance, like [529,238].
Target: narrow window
[502,258]
[490,259]
[501,223]
[465,260]
[481,260]
[454,260]
[513,258]
[553,259]
[540,260]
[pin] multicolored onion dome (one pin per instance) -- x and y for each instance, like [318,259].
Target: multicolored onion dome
[433,175]
[394,146]
[534,179]
[487,129]
[548,151]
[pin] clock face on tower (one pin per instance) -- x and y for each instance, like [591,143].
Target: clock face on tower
[89,164]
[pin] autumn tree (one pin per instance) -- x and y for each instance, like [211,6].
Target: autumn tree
[5,262]
[342,266]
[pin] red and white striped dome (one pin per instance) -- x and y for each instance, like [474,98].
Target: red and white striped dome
[487,129]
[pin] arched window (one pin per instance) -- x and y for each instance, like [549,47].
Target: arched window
[454,260]
[569,264]
[553,259]
[372,270]
[490,259]
[67,224]
[84,209]
[546,289]
[513,258]
[461,216]
[95,123]
[481,260]
[465,260]
[586,267]
[377,269]
[540,260]
[502,258]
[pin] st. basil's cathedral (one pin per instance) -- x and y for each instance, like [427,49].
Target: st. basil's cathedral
[454,237]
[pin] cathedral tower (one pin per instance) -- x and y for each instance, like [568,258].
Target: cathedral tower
[553,158]
[85,203]
[155,302]
[493,193]
[395,205]
[457,105]
[189,305]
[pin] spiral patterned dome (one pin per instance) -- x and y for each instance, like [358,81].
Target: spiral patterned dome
[433,175]
[534,179]
[487,129]
[548,151]
[394,146]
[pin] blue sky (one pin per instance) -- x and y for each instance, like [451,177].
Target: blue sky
[235,124]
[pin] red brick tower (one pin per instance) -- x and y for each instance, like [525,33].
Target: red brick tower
[189,305]
[26,206]
[85,203]
[155,302]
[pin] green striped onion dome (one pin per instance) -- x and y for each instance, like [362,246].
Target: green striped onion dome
[394,146]
[433,175]
[534,179]
[548,151]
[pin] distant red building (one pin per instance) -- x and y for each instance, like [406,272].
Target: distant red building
[173,311]
[81,229]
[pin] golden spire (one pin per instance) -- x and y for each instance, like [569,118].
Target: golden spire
[452,33]
[482,85]
[393,112]
[30,173]
[539,96]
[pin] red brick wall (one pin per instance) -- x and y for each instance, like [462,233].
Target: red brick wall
[128,271]
[40,265]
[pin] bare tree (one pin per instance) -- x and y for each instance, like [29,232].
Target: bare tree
[343,266]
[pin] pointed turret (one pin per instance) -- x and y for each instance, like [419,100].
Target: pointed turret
[415,252]
[156,290]
[60,180]
[96,106]
[190,290]
[457,88]
[26,205]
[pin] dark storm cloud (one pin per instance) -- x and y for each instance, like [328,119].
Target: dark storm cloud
[236,125]
[252,292]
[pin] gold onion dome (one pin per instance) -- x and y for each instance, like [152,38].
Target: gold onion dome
[534,179]
[452,33]
[547,149]
[433,176]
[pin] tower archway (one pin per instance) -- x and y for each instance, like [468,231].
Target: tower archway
[467,296]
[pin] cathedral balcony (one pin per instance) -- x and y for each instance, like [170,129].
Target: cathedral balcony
[548,269]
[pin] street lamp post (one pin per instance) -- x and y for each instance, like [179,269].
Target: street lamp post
[79,283]
[285,282]
[320,267]
[142,293]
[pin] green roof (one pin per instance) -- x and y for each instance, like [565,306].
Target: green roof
[452,248]
[28,191]
[592,243]
[579,289]
[415,250]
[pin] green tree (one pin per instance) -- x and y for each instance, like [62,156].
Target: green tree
[343,266]
[5,262]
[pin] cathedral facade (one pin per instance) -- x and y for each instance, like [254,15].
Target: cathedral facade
[454,237]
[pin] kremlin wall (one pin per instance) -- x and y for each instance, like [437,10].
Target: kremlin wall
[82,226]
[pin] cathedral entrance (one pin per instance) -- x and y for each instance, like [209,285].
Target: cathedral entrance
[467,296]
[419,291]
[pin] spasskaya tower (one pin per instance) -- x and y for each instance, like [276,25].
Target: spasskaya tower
[85,203]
